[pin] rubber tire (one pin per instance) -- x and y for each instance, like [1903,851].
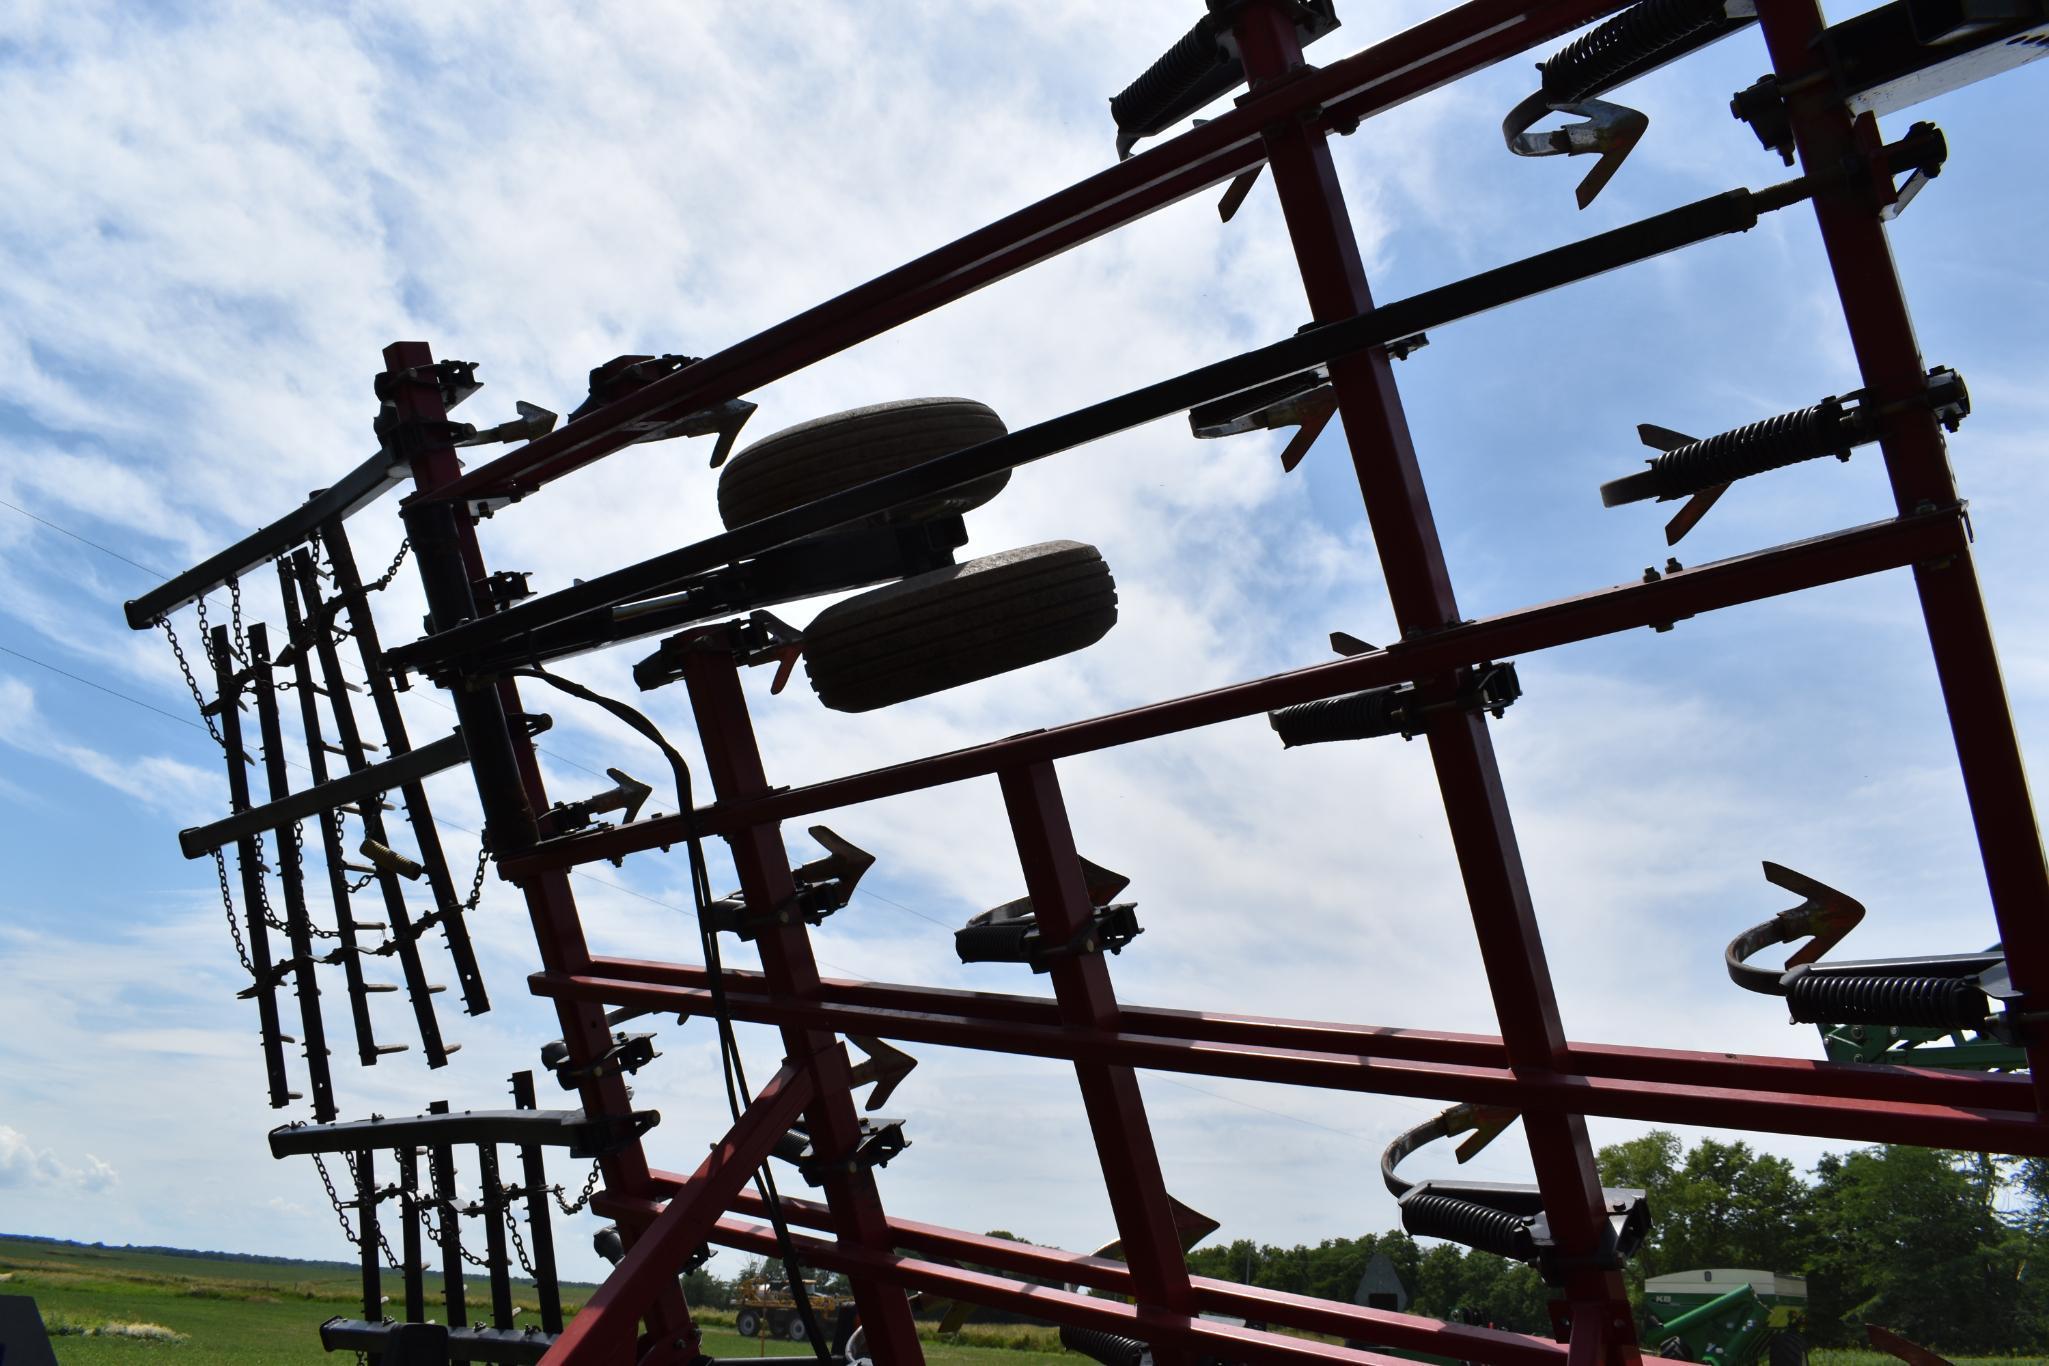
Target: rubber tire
[1788,1349]
[826,455]
[959,624]
[747,1323]
[795,1332]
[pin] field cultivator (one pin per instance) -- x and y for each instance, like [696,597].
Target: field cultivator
[875,503]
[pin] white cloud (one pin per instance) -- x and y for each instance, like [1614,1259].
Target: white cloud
[159,781]
[186,338]
[24,1164]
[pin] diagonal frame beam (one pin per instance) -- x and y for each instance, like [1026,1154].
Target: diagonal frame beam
[602,1333]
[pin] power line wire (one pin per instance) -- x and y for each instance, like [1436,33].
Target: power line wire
[111,692]
[84,540]
[158,573]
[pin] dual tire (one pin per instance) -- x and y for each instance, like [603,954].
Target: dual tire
[938,630]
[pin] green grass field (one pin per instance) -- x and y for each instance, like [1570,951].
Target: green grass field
[107,1305]
[112,1305]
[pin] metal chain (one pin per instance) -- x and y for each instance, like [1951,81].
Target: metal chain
[263,906]
[299,863]
[341,1212]
[185,667]
[319,548]
[477,882]
[451,1218]
[205,632]
[519,1244]
[241,639]
[589,1189]
[383,580]
[220,867]
[341,841]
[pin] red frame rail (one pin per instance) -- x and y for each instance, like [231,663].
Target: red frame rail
[1532,1067]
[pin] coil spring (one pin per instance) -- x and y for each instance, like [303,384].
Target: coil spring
[1943,1002]
[1108,1348]
[1592,62]
[1430,1215]
[1783,440]
[1354,716]
[1167,81]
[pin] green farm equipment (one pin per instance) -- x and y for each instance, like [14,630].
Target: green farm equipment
[1726,1317]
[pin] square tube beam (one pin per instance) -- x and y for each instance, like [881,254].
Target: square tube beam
[1790,568]
[602,1333]
[1959,633]
[789,967]
[509,785]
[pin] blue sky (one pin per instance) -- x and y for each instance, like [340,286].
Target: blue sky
[221,216]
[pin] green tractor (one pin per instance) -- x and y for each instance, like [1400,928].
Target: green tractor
[1726,1317]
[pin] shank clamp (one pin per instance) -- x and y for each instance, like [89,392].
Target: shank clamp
[823,886]
[1011,933]
[1503,1219]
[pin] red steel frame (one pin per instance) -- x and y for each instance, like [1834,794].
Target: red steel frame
[1285,121]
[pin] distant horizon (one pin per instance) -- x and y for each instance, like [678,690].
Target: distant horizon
[223,1255]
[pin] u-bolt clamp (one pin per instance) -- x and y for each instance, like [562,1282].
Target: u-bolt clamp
[823,886]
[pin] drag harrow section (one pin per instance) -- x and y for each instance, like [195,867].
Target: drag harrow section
[436,1211]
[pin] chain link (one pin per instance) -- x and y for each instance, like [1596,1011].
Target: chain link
[590,1187]
[383,580]
[477,882]
[341,1213]
[241,639]
[519,1244]
[205,631]
[263,906]
[185,667]
[220,868]
[451,1218]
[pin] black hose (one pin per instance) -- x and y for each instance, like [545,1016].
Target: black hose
[1111,1349]
[737,1096]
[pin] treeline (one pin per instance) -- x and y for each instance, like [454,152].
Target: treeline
[1950,1249]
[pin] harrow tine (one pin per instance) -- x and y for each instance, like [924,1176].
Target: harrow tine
[366,1204]
[534,1175]
[296,627]
[442,1164]
[251,865]
[363,629]
[291,874]
[492,1197]
[409,1207]
[404,938]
